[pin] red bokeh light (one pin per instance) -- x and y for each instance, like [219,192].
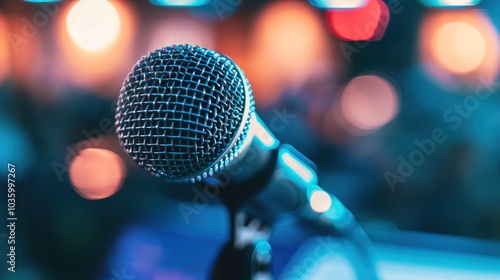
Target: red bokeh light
[367,23]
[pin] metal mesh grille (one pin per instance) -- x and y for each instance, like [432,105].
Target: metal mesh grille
[179,110]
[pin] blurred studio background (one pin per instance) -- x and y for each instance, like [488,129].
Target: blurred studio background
[396,101]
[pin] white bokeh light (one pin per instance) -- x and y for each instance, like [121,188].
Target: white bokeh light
[93,24]
[459,2]
[320,201]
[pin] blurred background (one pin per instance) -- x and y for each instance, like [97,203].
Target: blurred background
[396,101]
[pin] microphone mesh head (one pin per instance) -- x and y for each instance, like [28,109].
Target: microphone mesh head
[184,112]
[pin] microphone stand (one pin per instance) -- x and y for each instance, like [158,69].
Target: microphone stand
[275,179]
[247,255]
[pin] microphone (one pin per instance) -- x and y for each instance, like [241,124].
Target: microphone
[186,114]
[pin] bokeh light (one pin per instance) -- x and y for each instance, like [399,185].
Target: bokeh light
[96,173]
[194,31]
[285,52]
[459,47]
[320,201]
[450,3]
[179,3]
[4,49]
[459,43]
[338,4]
[367,23]
[93,24]
[42,1]
[23,53]
[460,2]
[369,102]
[96,44]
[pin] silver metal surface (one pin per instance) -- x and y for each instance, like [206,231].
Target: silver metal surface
[184,112]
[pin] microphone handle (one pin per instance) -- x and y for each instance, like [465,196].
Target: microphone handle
[271,179]
[291,189]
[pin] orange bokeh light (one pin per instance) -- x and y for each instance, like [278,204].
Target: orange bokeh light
[463,43]
[194,31]
[288,46]
[458,47]
[367,23]
[25,63]
[88,61]
[4,49]
[96,173]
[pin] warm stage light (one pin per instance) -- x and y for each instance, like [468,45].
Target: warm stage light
[459,47]
[460,43]
[194,31]
[338,4]
[95,40]
[367,23]
[93,24]
[4,50]
[288,46]
[369,102]
[97,173]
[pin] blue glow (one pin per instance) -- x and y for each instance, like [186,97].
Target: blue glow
[298,166]
[262,133]
[311,189]
[394,263]
[42,1]
[14,146]
[323,258]
[450,3]
[263,251]
[179,3]
[338,4]
[317,258]
[338,212]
